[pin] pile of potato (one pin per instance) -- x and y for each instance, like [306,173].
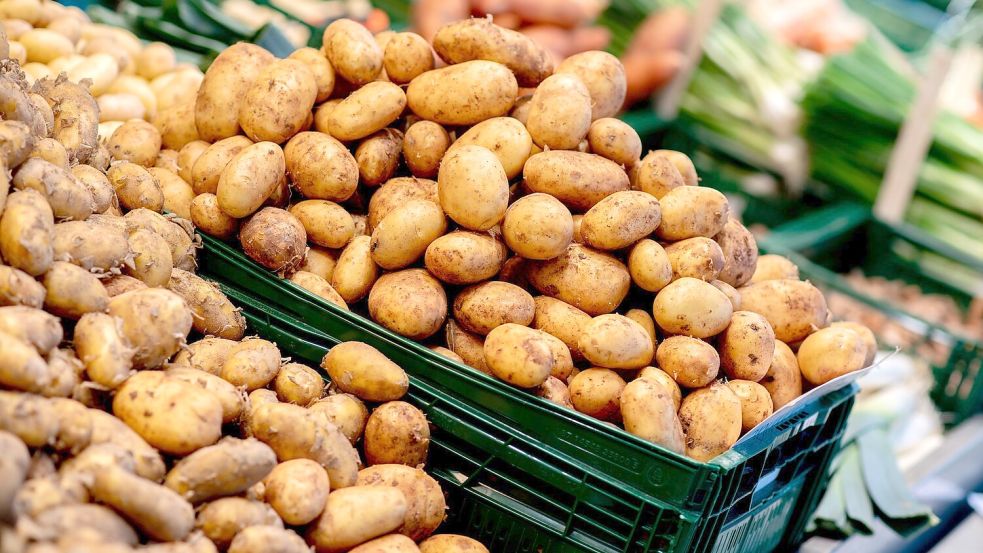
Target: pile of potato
[469,195]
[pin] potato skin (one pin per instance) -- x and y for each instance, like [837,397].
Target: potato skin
[616,342]
[345,411]
[135,186]
[690,211]
[327,224]
[274,238]
[277,103]
[482,307]
[363,371]
[451,543]
[604,77]
[229,396]
[649,412]
[747,346]
[538,226]
[466,345]
[378,156]
[207,354]
[208,167]
[161,513]
[223,89]
[478,38]
[559,113]
[649,265]
[562,320]
[397,433]
[424,145]
[152,261]
[597,392]
[297,490]
[740,251]
[620,220]
[870,341]
[252,363]
[592,281]
[406,56]
[250,178]
[26,228]
[365,111]
[72,291]
[298,384]
[425,502]
[136,141]
[103,350]
[67,196]
[18,288]
[319,287]
[783,379]
[577,179]
[663,379]
[222,519]
[178,194]
[91,244]
[774,267]
[711,418]
[352,51]
[379,510]
[393,543]
[692,307]
[472,187]
[518,355]
[404,235]
[155,343]
[794,309]
[227,468]
[22,368]
[732,294]
[396,192]
[615,140]
[464,93]
[409,302]
[255,539]
[756,403]
[692,363]
[465,257]
[555,390]
[699,257]
[829,353]
[210,219]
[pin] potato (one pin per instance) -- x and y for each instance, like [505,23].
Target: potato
[472,187]
[794,309]
[538,226]
[503,136]
[22,368]
[98,185]
[72,522]
[275,239]
[663,379]
[561,320]
[870,341]
[482,307]
[649,412]
[72,291]
[514,271]
[559,113]
[464,257]
[747,346]
[256,539]
[732,294]
[326,223]
[322,261]
[469,347]
[616,140]
[41,493]
[178,233]
[249,179]
[188,156]
[44,46]
[409,302]
[774,267]
[178,194]
[320,167]
[425,502]
[783,379]
[297,490]
[480,39]
[177,88]
[597,392]
[393,543]
[108,429]
[518,355]
[831,352]
[354,54]
[208,218]
[170,320]
[299,384]
[451,543]
[17,142]
[620,220]
[50,150]
[592,281]
[555,390]
[176,125]
[354,272]
[207,168]
[229,396]
[699,257]
[103,350]
[367,110]
[18,288]
[136,141]
[396,192]
[26,229]
[154,60]
[423,147]
[68,198]
[66,371]
[296,433]
[252,363]
[577,179]
[319,287]
[130,85]
[616,342]
[222,519]
[692,307]
[76,116]
[135,186]
[380,510]
[464,93]
[397,433]
[378,156]
[37,328]
[363,371]
[711,418]
[278,101]
[643,318]
[690,362]
[604,77]
[320,68]
[227,468]
[223,90]
[740,252]
[404,234]
[152,261]
[345,411]
[690,211]
[207,354]
[756,405]
[93,245]
[159,512]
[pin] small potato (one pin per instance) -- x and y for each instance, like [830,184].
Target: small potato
[297,490]
[26,229]
[319,287]
[378,156]
[559,113]
[223,90]
[250,178]
[469,347]
[252,363]
[155,59]
[299,384]
[616,342]
[604,77]
[447,353]
[317,63]
[207,354]
[620,220]
[231,398]
[592,281]
[361,370]
[208,218]
[68,198]
[472,187]
[683,164]
[207,168]
[327,223]
[44,46]
[794,308]
[425,501]
[747,346]
[321,262]
[615,140]
[409,302]
[464,93]
[352,51]
[136,141]
[774,267]
[649,412]
[103,350]
[223,518]
[354,272]
[345,411]
[406,56]
[275,239]
[379,510]
[555,390]
[690,211]
[187,157]
[254,539]
[72,291]
[482,307]
[692,307]
[577,179]
[829,353]
[700,258]
[178,194]
[464,257]
[690,362]
[403,236]
[597,392]
[783,379]
[152,261]
[153,343]
[214,314]
[480,39]
[649,265]
[730,292]
[711,419]
[397,433]
[320,167]
[663,379]
[18,288]
[92,245]
[643,318]
[227,468]
[870,341]
[98,185]
[367,110]
[52,151]
[278,102]
[176,125]
[740,253]
[397,192]
[451,543]
[518,355]
[756,403]
[423,147]
[135,187]
[538,226]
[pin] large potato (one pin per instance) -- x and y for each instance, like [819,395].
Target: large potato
[690,362]
[404,235]
[774,267]
[794,308]
[135,186]
[155,322]
[577,179]
[208,167]
[93,245]
[396,192]
[756,405]
[463,94]
[472,187]
[465,257]
[297,490]
[711,419]
[227,468]
[250,178]
[277,104]
[559,113]
[275,239]
[505,137]
[519,355]
[397,433]
[692,307]
[425,504]
[378,156]
[365,111]
[409,302]
[482,307]
[590,280]
[648,412]
[222,92]
[72,291]
[690,211]
[424,145]
[26,229]
[538,226]
[355,515]
[361,370]
[829,353]
[699,257]
[597,392]
[616,342]
[740,253]
[562,320]
[620,220]
[604,77]
[480,39]
[352,51]
[327,223]
[746,346]
[213,314]
[345,411]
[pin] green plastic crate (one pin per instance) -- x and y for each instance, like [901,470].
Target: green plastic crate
[834,240]
[540,478]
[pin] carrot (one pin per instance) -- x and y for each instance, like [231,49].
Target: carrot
[648,72]
[430,15]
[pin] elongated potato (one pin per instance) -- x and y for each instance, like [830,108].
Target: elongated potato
[425,501]
[747,346]
[380,510]
[223,90]
[222,519]
[135,186]
[68,198]
[473,188]
[207,354]
[783,379]
[756,405]
[279,100]
[466,345]
[518,355]
[577,179]
[463,257]
[663,379]
[740,253]
[378,156]
[13,467]
[317,63]
[561,320]
[592,281]
[559,113]
[319,287]
[404,234]
[152,262]
[153,343]
[103,350]
[464,93]
[730,292]
[424,144]
[227,468]
[249,179]
[615,140]
[159,512]
[187,157]
[320,167]
[72,291]
[274,238]
[649,412]
[397,433]
[616,342]
[26,229]
[604,77]
[597,392]
[367,110]
[482,307]
[86,521]
[22,368]
[92,244]
[355,272]
[711,418]
[178,194]
[794,309]
[693,308]
[829,353]
[207,168]
[361,370]
[620,220]
[409,302]
[690,211]
[690,362]
[108,429]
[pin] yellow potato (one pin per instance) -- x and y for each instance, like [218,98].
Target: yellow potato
[91,244]
[361,370]
[207,168]
[451,543]
[103,350]
[221,520]
[319,66]
[604,77]
[44,46]
[345,411]
[152,262]
[424,144]
[327,223]
[98,185]
[472,187]
[355,515]
[465,257]
[469,347]
[463,94]
[52,151]
[616,342]
[72,291]
[227,468]
[518,355]
[649,412]
[354,272]
[18,288]
[26,229]
[870,341]
[556,391]
[747,346]
[794,308]
[482,307]
[397,192]
[783,379]
[378,156]
[136,141]
[135,186]
[397,433]
[256,539]
[538,226]
[620,220]
[250,178]
[732,294]
[252,363]
[690,362]
[756,403]
[829,353]
[690,211]
[559,113]
[592,281]
[402,237]
[644,319]
[278,102]
[425,501]
[597,392]
[222,92]
[156,343]
[186,158]
[692,307]
[274,238]
[214,314]
[352,51]
[699,257]
[135,86]
[577,179]
[297,490]
[406,56]
[321,262]
[740,252]
[480,39]
[684,165]
[662,378]
[711,419]
[774,267]
[615,140]
[367,110]
[505,137]
[176,124]
[208,218]
[67,196]
[319,287]
[649,265]
[231,398]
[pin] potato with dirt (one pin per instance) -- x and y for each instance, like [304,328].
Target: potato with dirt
[711,419]
[224,88]
[397,433]
[464,93]
[480,39]
[409,302]
[472,187]
[228,467]
[577,179]
[320,167]
[275,239]
[593,281]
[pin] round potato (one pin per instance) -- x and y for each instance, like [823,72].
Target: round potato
[299,384]
[404,235]
[483,307]
[472,187]
[249,179]
[208,218]
[321,262]
[254,539]
[231,398]
[464,93]
[464,257]
[425,508]
[153,343]
[176,125]
[699,257]
[649,265]
[397,433]
[222,519]
[320,167]
[274,238]
[774,267]
[409,302]
[559,113]
[711,418]
[406,56]
[756,403]
[690,362]
[352,51]
[361,370]
[345,411]
[747,346]
[367,110]
[592,281]
[252,363]
[396,192]
[67,196]
[740,253]
[178,194]
[424,145]
[136,141]
[620,220]
[794,308]
[223,90]
[577,179]
[538,226]
[829,353]
[783,379]
[870,341]
[649,412]
[98,185]
[505,137]
[297,490]
[327,223]
[616,342]
[615,140]
[207,168]
[604,77]
[690,211]
[683,164]
[597,392]
[518,355]
[692,307]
